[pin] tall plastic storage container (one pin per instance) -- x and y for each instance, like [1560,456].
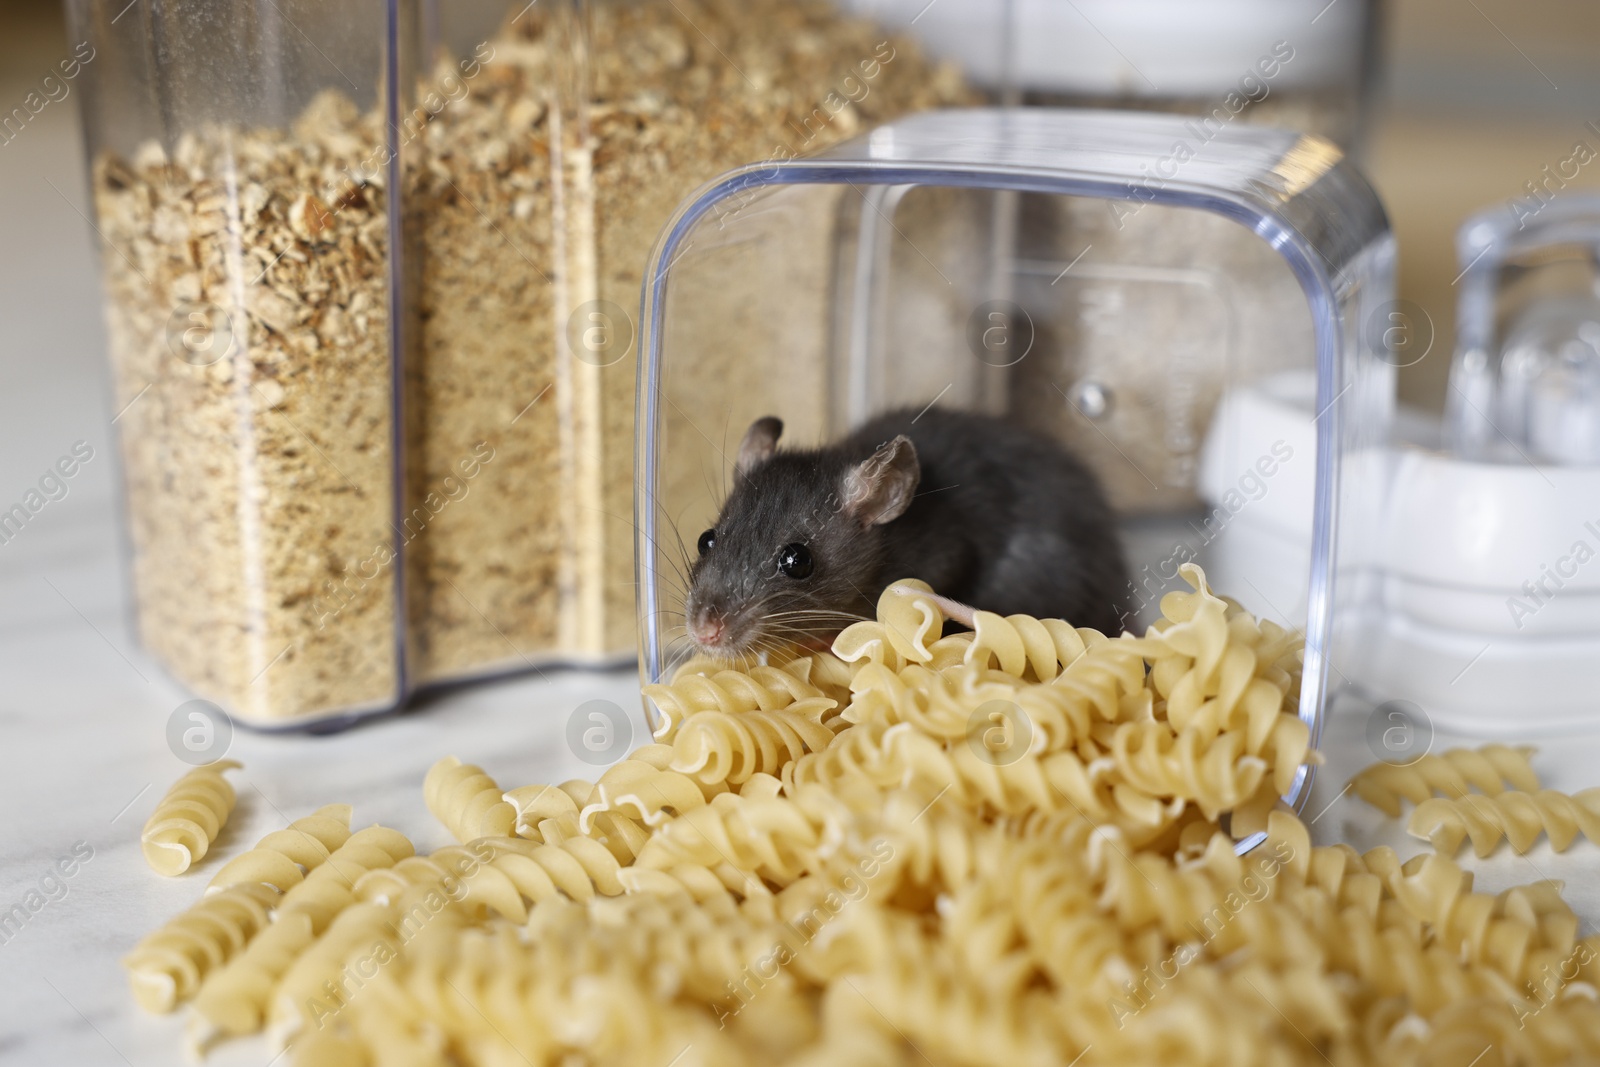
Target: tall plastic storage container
[881,275]
[248,225]
[371,270]
[630,106]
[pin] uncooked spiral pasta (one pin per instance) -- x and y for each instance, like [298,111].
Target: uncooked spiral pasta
[909,622]
[1218,775]
[467,801]
[166,967]
[232,994]
[944,702]
[701,685]
[1475,925]
[534,804]
[1218,669]
[1511,816]
[773,837]
[1036,650]
[578,867]
[1491,769]
[648,789]
[1016,845]
[188,818]
[464,874]
[331,887]
[283,857]
[716,747]
[1058,781]
[234,1000]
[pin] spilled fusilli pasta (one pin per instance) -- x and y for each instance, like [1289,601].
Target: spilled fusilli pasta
[180,831]
[1009,846]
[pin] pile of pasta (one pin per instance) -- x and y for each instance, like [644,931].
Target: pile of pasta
[1014,845]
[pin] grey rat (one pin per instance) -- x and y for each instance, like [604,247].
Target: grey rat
[988,513]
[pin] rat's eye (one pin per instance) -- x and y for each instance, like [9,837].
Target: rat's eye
[795,561]
[708,541]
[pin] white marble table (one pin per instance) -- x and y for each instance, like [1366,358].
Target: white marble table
[84,717]
[83,755]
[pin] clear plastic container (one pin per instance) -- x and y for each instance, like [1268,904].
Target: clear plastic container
[370,274]
[881,274]
[1301,65]
[243,200]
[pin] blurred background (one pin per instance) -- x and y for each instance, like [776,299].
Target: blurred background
[1469,104]
[1472,99]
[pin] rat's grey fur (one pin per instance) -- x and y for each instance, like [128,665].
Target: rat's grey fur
[1003,519]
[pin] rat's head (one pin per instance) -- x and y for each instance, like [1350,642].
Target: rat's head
[797,546]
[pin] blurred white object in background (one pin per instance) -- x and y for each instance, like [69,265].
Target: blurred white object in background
[1486,605]
[1525,379]
[1258,476]
[1140,48]
[1550,381]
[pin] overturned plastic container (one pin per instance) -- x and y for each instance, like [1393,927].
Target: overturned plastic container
[958,258]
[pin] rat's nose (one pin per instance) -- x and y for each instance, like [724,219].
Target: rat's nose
[706,626]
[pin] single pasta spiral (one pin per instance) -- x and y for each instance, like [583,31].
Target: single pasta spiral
[1210,678]
[1034,650]
[578,867]
[942,703]
[1198,900]
[1438,892]
[187,820]
[1053,782]
[702,685]
[331,887]
[166,967]
[857,767]
[1491,769]
[706,886]
[647,789]
[777,838]
[234,1000]
[1218,775]
[462,875]
[909,622]
[1514,816]
[283,857]
[717,747]
[534,804]
[467,801]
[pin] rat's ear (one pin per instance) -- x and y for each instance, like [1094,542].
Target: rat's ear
[879,488]
[760,442]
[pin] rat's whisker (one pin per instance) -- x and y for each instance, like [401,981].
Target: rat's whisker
[822,617]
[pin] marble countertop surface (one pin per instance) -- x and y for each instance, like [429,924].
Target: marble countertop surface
[83,713]
[84,716]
